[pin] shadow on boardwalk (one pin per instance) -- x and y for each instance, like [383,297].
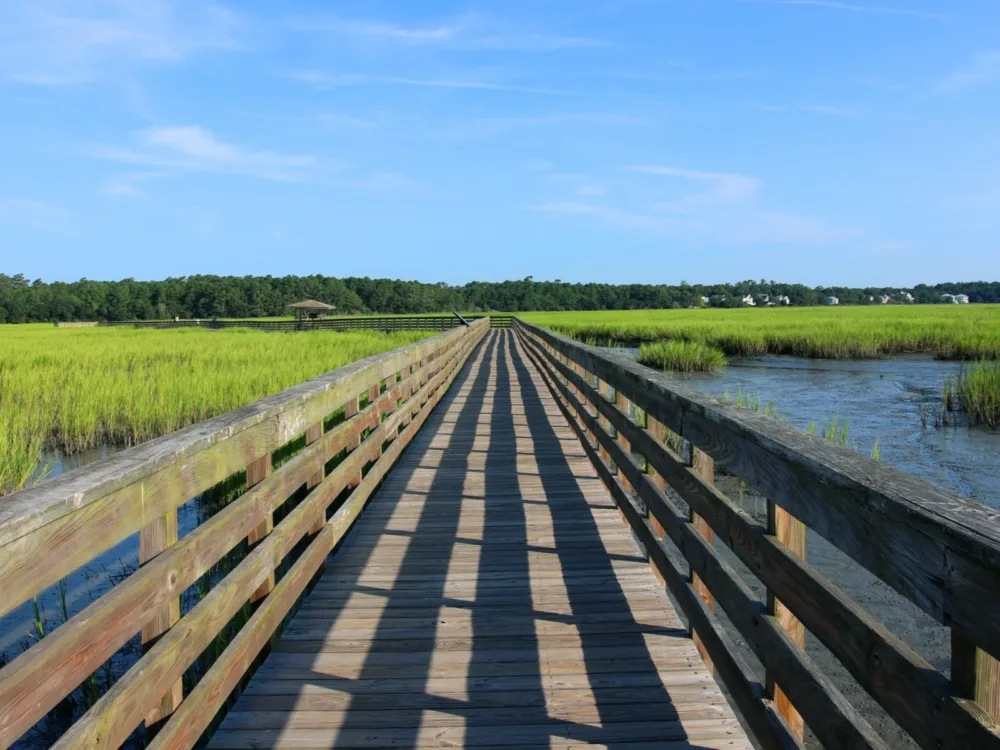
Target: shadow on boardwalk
[489,597]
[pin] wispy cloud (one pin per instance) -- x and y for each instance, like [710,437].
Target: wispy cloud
[982,71]
[856,8]
[470,33]
[726,210]
[33,213]
[49,42]
[127,185]
[321,80]
[722,187]
[190,148]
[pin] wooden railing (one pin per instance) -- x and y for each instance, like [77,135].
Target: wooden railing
[360,322]
[353,423]
[939,550]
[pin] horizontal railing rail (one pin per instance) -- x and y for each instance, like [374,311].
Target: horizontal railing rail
[937,549]
[369,323]
[350,424]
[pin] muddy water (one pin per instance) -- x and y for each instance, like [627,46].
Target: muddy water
[880,400]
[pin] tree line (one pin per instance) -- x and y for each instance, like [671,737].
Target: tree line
[24,301]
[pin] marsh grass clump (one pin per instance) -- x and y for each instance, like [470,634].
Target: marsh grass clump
[681,356]
[975,391]
[70,389]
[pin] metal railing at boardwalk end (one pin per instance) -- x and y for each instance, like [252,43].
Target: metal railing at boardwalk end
[348,427]
[656,443]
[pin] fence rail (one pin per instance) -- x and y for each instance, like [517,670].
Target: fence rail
[376,323]
[354,422]
[939,550]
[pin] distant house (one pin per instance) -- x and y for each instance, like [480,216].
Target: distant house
[961,299]
[782,299]
[905,296]
[885,299]
[948,299]
[704,300]
[748,300]
[831,301]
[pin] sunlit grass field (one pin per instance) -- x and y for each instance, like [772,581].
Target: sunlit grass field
[948,331]
[74,388]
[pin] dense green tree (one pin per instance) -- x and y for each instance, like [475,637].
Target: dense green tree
[206,296]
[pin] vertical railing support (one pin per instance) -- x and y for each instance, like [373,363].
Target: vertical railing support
[705,466]
[257,472]
[154,539]
[790,532]
[976,675]
[313,434]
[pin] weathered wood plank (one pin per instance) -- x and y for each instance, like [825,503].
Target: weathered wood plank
[438,600]
[936,548]
[910,689]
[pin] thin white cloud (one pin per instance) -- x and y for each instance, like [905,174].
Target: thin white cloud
[726,210]
[856,8]
[193,148]
[723,187]
[127,185]
[320,80]
[470,33]
[49,42]
[33,213]
[982,71]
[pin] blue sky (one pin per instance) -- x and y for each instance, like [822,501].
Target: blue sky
[815,141]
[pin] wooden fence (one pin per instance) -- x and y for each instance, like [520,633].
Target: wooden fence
[370,323]
[939,550]
[353,422]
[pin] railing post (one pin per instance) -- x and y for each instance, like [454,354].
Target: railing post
[154,539]
[625,407]
[313,434]
[257,472]
[976,675]
[790,532]
[704,464]
[351,410]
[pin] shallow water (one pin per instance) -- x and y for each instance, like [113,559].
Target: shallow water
[879,399]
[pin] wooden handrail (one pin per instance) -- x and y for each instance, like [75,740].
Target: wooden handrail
[52,529]
[938,549]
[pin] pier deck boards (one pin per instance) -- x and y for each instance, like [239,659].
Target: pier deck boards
[490,596]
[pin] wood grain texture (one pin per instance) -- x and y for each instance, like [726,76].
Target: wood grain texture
[936,548]
[835,722]
[913,693]
[790,532]
[767,726]
[154,540]
[487,597]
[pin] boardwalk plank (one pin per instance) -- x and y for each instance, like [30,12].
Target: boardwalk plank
[490,597]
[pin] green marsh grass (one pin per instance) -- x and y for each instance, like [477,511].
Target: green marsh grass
[960,332]
[681,356]
[976,392]
[71,389]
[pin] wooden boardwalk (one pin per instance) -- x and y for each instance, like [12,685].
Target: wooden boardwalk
[489,596]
